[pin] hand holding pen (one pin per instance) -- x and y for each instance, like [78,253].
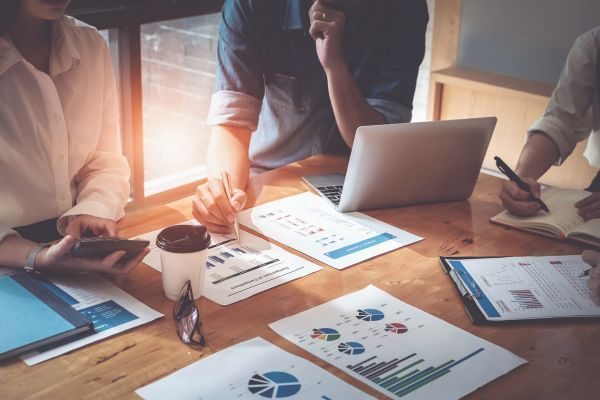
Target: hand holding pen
[228,187]
[520,196]
[214,208]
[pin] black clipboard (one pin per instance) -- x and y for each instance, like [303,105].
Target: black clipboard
[475,314]
[466,296]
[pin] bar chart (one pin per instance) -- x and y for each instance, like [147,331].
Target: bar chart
[401,376]
[396,348]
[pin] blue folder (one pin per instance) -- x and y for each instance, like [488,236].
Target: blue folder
[31,316]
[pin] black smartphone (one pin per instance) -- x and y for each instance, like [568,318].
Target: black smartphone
[100,247]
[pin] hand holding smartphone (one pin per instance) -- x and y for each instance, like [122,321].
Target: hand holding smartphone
[99,247]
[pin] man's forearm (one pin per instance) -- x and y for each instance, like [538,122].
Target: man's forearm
[349,107]
[228,151]
[537,156]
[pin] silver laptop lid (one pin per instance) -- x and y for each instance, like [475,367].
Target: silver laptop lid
[415,163]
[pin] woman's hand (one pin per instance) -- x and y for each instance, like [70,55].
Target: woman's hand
[58,258]
[87,225]
[589,207]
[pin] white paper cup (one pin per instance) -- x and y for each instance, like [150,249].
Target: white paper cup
[183,250]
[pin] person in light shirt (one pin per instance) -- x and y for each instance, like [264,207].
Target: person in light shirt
[572,115]
[552,138]
[61,169]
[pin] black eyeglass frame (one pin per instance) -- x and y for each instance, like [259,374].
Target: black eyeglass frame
[186,300]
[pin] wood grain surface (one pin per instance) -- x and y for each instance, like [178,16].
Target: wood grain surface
[564,356]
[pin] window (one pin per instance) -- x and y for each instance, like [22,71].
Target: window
[164,53]
[164,56]
[178,70]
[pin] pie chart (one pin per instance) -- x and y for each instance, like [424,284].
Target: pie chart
[370,314]
[326,334]
[274,385]
[352,348]
[395,327]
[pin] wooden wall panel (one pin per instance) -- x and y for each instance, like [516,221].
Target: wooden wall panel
[516,111]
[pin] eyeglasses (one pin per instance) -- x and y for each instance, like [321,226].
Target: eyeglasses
[187,318]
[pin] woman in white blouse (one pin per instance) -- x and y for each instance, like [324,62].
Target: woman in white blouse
[61,168]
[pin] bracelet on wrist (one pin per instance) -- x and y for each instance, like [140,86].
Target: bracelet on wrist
[32,256]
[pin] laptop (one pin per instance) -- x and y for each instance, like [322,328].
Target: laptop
[405,164]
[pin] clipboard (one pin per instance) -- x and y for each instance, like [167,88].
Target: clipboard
[467,294]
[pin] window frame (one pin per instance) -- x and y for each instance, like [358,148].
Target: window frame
[125,17]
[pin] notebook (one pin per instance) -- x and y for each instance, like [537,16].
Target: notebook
[562,222]
[499,289]
[31,316]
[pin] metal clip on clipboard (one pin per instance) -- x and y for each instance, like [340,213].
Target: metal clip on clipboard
[459,279]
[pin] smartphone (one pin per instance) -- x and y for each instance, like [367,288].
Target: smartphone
[100,247]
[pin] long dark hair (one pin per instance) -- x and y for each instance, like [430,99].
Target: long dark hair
[8,13]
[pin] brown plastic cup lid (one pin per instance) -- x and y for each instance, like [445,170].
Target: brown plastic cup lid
[183,238]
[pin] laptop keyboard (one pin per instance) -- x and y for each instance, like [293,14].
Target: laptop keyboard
[333,193]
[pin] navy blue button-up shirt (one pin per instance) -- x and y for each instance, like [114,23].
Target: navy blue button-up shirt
[269,78]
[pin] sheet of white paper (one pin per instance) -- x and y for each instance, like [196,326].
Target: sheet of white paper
[395,348]
[307,223]
[251,370]
[237,271]
[110,309]
[529,287]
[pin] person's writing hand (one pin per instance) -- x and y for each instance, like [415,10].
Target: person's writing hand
[58,258]
[593,258]
[86,225]
[212,208]
[327,29]
[516,200]
[589,207]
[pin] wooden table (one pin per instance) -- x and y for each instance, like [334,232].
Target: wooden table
[564,357]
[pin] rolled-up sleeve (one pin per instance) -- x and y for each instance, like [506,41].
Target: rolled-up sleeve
[103,182]
[566,120]
[392,90]
[6,231]
[239,79]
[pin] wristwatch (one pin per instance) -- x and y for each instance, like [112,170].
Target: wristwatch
[30,262]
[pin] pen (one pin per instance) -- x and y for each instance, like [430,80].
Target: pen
[505,169]
[229,192]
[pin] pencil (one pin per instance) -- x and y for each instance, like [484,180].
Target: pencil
[229,192]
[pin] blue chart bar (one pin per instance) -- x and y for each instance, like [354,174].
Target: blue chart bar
[362,245]
[404,375]
[107,315]
[217,259]
[238,250]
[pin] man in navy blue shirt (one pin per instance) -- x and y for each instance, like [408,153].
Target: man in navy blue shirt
[296,78]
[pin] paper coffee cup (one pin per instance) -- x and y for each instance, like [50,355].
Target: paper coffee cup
[183,251]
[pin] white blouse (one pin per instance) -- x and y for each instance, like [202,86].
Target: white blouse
[60,148]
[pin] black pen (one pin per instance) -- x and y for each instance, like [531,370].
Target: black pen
[505,169]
